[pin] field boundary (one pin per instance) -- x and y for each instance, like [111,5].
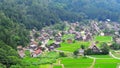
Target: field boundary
[59,64]
[92,66]
[110,53]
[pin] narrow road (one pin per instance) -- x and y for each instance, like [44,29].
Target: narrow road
[92,66]
[110,53]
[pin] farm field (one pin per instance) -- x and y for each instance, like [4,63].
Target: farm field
[105,62]
[103,38]
[50,42]
[70,47]
[46,58]
[45,66]
[57,67]
[101,56]
[77,63]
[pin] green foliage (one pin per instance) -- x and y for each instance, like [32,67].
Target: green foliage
[74,41]
[36,35]
[59,26]
[40,13]
[15,66]
[76,52]
[33,13]
[104,48]
[103,9]
[62,54]
[88,52]
[40,43]
[2,66]
[46,58]
[8,56]
[115,46]
[82,46]
[11,33]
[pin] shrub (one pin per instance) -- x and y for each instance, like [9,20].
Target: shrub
[62,54]
[75,52]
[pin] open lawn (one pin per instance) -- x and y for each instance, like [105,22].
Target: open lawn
[73,46]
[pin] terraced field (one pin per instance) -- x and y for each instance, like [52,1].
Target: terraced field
[73,46]
[106,63]
[103,61]
[103,38]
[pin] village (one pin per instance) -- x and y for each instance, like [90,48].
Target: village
[48,40]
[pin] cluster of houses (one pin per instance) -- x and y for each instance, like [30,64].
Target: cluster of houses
[84,33]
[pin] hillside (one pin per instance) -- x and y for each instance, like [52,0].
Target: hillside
[40,13]
[91,9]
[40,23]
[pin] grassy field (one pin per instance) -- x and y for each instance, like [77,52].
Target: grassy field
[106,63]
[67,36]
[77,63]
[82,62]
[45,66]
[46,58]
[73,46]
[103,38]
[59,66]
[86,62]
[101,56]
[50,42]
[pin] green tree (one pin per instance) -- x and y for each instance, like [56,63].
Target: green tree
[82,46]
[76,52]
[115,46]
[89,51]
[104,48]
[62,54]
[8,56]
[2,66]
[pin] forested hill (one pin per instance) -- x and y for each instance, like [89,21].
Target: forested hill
[18,16]
[99,9]
[40,13]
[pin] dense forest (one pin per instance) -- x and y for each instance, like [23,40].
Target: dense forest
[18,16]
[40,13]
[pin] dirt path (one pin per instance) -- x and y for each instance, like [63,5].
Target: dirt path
[92,66]
[58,64]
[110,53]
